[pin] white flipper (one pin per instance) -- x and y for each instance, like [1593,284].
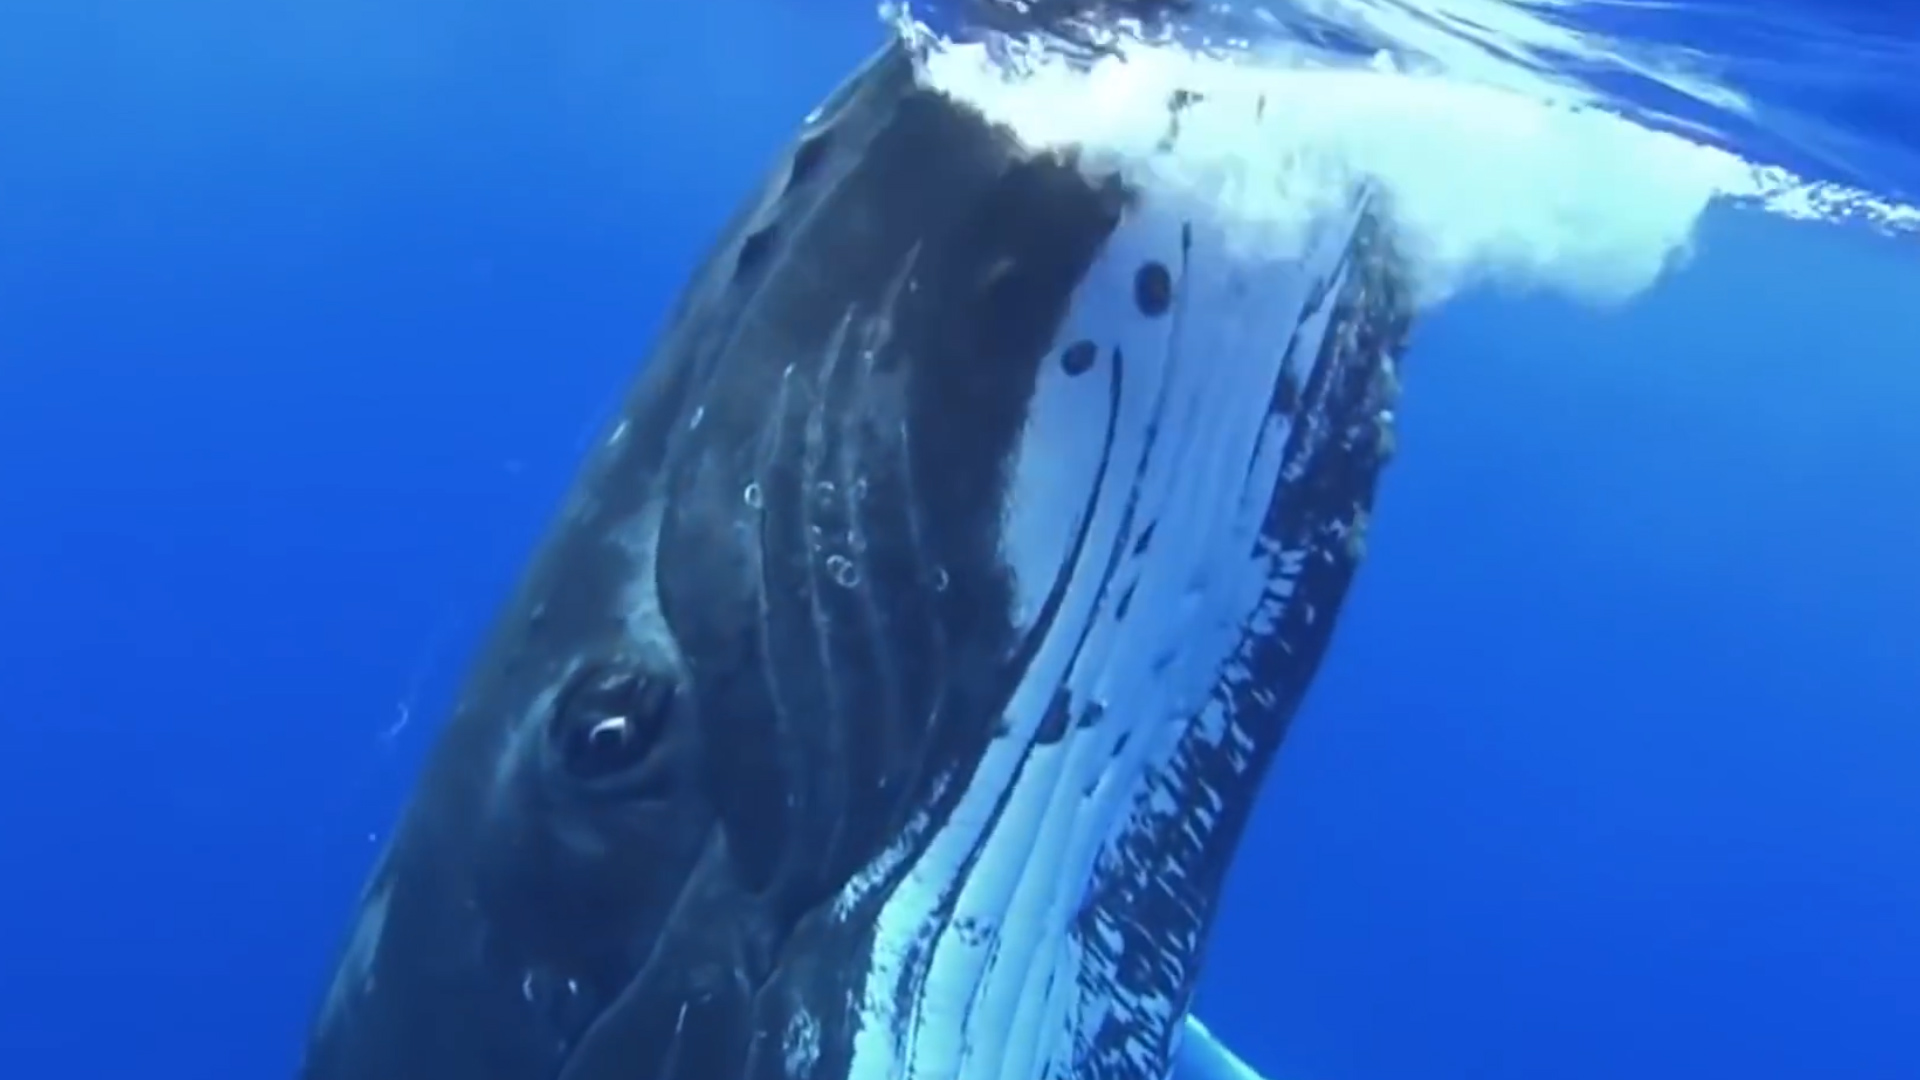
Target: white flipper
[1203,1057]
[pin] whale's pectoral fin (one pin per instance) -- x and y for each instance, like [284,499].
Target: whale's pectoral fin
[1204,1057]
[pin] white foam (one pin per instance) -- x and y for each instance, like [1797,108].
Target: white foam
[1520,45]
[1516,182]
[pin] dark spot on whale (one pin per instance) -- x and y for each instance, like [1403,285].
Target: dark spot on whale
[807,159]
[1078,358]
[973,931]
[754,251]
[1153,289]
[1053,726]
[1177,102]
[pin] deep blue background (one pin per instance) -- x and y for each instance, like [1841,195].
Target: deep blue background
[307,311]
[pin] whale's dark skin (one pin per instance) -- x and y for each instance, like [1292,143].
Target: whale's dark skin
[678,746]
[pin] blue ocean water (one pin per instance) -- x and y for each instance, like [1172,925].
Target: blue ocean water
[308,311]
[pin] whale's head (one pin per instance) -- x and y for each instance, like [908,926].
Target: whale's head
[888,698]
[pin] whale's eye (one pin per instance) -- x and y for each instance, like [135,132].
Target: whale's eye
[607,719]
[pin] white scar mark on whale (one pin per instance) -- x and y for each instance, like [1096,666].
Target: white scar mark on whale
[647,631]
[800,1045]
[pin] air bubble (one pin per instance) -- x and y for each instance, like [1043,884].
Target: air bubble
[940,579]
[843,572]
[751,496]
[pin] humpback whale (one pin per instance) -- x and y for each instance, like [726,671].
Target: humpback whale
[890,694]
